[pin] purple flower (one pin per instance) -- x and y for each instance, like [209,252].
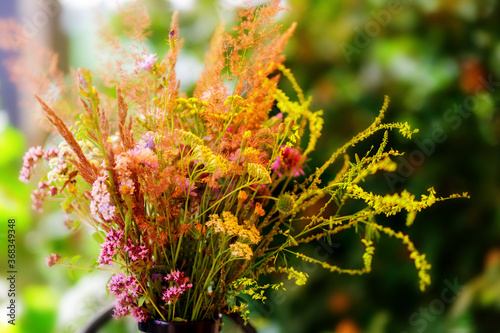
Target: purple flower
[149,140]
[156,276]
[82,81]
[147,62]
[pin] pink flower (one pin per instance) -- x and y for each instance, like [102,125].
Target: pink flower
[30,159]
[137,253]
[288,163]
[127,293]
[51,153]
[178,287]
[144,156]
[114,240]
[53,259]
[101,199]
[38,196]
[147,62]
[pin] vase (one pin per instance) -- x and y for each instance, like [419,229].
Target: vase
[158,326]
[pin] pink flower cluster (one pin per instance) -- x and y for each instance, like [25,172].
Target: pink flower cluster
[52,259]
[127,293]
[288,163]
[179,285]
[101,199]
[30,159]
[114,240]
[40,194]
[135,252]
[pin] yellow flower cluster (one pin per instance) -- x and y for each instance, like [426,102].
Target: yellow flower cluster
[241,250]
[259,173]
[395,203]
[420,261]
[187,138]
[213,161]
[299,277]
[229,225]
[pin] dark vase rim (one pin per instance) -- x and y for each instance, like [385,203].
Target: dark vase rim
[158,326]
[181,323]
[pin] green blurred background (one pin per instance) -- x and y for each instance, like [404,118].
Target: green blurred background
[439,61]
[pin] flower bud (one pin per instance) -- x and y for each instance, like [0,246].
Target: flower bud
[285,203]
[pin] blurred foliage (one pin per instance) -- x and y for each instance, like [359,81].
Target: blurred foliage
[438,61]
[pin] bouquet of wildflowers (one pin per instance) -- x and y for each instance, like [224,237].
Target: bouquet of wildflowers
[194,198]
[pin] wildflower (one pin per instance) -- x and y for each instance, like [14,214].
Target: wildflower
[124,174]
[147,62]
[53,259]
[251,234]
[38,196]
[82,81]
[285,203]
[51,153]
[179,286]
[58,168]
[149,140]
[259,173]
[259,210]
[299,277]
[113,241]
[229,225]
[289,163]
[137,253]
[242,196]
[241,250]
[144,156]
[126,291]
[30,159]
[101,199]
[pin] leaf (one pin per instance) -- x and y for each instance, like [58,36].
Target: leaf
[93,265]
[75,259]
[329,239]
[76,224]
[179,319]
[98,237]
[66,205]
[71,273]
[142,300]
